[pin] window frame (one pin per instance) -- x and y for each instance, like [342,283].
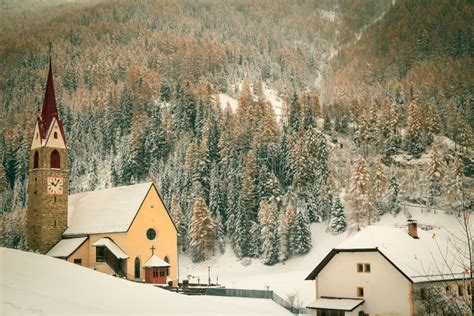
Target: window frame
[360,268]
[154,234]
[99,256]
[365,268]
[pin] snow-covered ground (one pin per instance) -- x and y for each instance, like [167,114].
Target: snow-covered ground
[289,277]
[33,284]
[270,94]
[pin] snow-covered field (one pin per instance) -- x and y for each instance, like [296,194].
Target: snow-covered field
[32,284]
[289,277]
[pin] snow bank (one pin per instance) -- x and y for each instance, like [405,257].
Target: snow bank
[33,284]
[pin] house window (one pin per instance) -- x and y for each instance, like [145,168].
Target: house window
[167,271]
[55,161]
[360,267]
[167,260]
[78,261]
[367,267]
[54,221]
[162,272]
[461,290]
[56,135]
[100,254]
[137,268]
[150,234]
[36,160]
[155,273]
[360,292]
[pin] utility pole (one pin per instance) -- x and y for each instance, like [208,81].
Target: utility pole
[209,275]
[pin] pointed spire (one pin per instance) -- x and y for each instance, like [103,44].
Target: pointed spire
[49,110]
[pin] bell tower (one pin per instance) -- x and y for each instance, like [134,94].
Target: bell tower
[48,176]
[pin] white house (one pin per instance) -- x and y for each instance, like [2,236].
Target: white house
[387,271]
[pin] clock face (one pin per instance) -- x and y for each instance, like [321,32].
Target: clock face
[55,185]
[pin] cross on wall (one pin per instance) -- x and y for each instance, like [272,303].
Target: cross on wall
[152,250]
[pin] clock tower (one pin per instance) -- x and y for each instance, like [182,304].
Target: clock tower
[48,176]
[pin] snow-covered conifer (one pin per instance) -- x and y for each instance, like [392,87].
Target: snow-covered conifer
[380,184]
[201,232]
[455,182]
[362,209]
[301,234]
[435,174]
[337,222]
[268,218]
[393,191]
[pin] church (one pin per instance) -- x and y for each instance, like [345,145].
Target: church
[124,231]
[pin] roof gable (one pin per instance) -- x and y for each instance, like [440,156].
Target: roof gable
[155,190]
[105,211]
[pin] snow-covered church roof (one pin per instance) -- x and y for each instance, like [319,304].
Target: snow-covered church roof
[420,260]
[65,247]
[105,211]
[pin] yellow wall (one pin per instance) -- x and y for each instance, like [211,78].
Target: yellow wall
[153,214]
[81,253]
[134,243]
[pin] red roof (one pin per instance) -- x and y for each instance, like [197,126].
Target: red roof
[49,110]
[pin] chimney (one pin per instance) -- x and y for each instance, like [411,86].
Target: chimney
[412,228]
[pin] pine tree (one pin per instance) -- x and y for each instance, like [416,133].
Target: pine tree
[435,174]
[176,214]
[414,131]
[362,209]
[286,232]
[249,192]
[455,183]
[337,222]
[380,184]
[283,231]
[301,234]
[268,218]
[201,232]
[393,191]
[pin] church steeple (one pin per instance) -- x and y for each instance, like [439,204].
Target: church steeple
[48,176]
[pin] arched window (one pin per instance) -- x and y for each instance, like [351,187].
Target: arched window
[167,260]
[36,159]
[137,268]
[55,135]
[55,159]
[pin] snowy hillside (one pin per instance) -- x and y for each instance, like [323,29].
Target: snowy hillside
[270,94]
[289,277]
[33,284]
